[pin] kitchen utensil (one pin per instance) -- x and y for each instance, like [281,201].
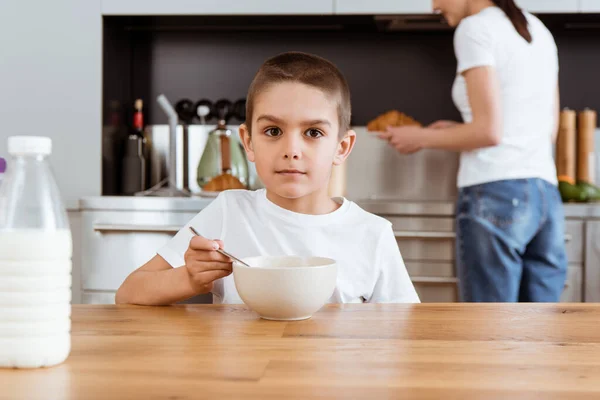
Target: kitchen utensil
[204,110]
[239,110]
[587,120]
[223,164]
[565,156]
[226,254]
[224,109]
[286,288]
[171,189]
[158,158]
[586,126]
[566,146]
[186,113]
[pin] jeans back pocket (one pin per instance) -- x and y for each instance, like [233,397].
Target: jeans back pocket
[503,203]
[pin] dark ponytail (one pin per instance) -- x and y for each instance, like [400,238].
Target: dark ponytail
[516,16]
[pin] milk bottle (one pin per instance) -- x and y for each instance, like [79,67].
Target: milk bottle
[35,260]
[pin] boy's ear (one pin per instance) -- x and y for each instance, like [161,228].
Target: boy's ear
[246,139]
[344,147]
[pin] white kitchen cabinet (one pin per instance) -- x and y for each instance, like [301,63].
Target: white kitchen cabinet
[75,225]
[216,7]
[50,85]
[115,243]
[590,6]
[550,6]
[383,7]
[592,262]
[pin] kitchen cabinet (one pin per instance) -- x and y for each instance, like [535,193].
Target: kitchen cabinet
[115,243]
[215,7]
[590,6]
[592,262]
[75,226]
[383,7]
[427,244]
[50,77]
[550,6]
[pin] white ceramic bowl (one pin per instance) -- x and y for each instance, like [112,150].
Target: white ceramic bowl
[285,288]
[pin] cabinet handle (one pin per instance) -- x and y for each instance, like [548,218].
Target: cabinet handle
[442,235]
[424,235]
[434,280]
[136,228]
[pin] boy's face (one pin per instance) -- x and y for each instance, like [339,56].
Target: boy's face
[295,139]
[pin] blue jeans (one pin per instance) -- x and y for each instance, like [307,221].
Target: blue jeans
[510,242]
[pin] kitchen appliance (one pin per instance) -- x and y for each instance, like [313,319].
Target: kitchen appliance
[223,164]
[159,158]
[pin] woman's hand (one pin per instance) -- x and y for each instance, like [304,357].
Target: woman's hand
[405,139]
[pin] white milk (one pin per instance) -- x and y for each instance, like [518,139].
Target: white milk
[35,295]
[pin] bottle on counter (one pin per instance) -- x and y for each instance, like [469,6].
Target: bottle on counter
[35,260]
[134,160]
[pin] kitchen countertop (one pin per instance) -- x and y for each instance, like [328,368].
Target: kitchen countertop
[434,351]
[376,206]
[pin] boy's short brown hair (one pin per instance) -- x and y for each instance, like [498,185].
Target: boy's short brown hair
[303,68]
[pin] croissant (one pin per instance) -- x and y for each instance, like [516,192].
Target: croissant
[391,118]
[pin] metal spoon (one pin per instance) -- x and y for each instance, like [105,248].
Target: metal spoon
[226,254]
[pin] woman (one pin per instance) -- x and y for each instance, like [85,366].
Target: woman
[510,224]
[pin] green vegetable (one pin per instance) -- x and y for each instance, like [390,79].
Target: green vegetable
[589,191]
[570,192]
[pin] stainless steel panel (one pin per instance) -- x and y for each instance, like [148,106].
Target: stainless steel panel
[391,207]
[420,269]
[574,241]
[422,224]
[573,292]
[126,203]
[98,297]
[75,225]
[106,228]
[375,170]
[437,292]
[592,262]
[115,243]
[426,250]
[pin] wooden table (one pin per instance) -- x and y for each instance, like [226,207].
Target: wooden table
[426,351]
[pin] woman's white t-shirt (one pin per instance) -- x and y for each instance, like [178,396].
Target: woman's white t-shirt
[528,78]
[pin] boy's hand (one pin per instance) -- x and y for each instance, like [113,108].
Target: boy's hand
[204,264]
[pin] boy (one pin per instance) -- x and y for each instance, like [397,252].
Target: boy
[297,128]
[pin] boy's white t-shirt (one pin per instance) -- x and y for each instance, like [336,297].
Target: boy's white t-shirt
[370,267]
[528,78]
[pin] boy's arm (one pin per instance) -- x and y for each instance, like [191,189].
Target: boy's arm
[393,284]
[196,264]
[156,283]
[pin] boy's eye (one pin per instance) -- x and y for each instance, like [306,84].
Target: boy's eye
[314,133]
[273,132]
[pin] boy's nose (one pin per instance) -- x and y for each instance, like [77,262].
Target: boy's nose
[292,149]
[294,155]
